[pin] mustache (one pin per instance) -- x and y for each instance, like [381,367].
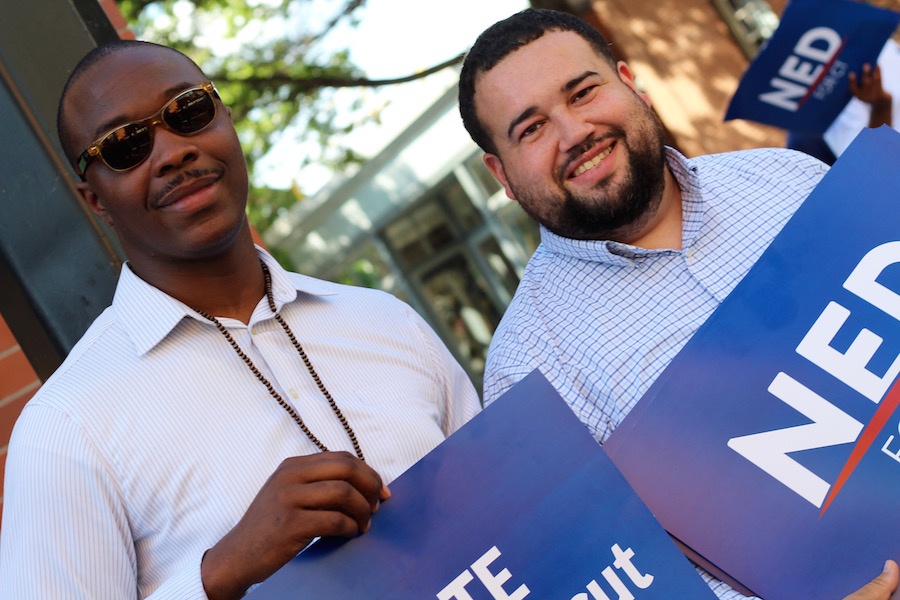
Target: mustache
[575,153]
[180,178]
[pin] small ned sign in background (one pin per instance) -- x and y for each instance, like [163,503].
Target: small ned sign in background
[799,79]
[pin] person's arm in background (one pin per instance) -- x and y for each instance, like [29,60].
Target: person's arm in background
[867,87]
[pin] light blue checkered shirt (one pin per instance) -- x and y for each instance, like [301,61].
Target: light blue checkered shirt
[603,319]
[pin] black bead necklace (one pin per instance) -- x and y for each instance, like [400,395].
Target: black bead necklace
[309,367]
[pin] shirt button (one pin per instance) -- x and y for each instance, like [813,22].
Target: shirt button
[294,394]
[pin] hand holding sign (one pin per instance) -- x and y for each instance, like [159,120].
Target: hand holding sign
[881,587]
[521,503]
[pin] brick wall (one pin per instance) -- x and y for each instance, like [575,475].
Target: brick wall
[116,18]
[686,59]
[18,381]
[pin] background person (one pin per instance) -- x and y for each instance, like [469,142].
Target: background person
[875,102]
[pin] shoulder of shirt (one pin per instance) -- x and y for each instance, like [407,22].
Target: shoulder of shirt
[97,333]
[760,172]
[353,299]
[520,320]
[753,159]
[529,286]
[321,287]
[313,286]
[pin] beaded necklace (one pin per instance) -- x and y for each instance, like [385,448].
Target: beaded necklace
[309,367]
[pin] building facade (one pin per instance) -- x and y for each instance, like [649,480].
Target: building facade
[427,222]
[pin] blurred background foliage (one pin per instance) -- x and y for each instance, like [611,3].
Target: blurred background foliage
[275,66]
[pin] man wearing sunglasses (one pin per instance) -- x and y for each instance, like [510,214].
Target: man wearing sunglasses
[222,412]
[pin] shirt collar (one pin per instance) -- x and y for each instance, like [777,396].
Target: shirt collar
[617,253]
[148,314]
[686,174]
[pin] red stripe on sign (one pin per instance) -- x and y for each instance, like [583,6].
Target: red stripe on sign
[888,404]
[822,75]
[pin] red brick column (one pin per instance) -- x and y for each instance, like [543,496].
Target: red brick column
[18,383]
[116,18]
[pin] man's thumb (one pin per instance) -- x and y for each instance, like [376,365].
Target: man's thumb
[882,586]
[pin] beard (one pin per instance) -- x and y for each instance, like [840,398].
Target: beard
[612,210]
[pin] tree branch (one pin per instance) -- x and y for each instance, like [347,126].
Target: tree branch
[348,9]
[306,84]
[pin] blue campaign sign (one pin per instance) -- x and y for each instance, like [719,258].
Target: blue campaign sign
[521,502]
[770,445]
[799,79]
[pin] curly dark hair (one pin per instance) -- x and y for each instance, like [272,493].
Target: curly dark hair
[502,39]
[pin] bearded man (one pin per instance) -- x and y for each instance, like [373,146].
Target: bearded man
[639,244]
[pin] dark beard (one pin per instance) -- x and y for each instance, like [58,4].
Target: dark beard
[618,218]
[614,214]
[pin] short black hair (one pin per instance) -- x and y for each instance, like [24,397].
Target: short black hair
[502,39]
[91,59]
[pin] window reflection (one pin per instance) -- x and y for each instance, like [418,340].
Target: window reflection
[457,293]
[369,270]
[751,21]
[420,234]
[502,269]
[522,228]
[477,168]
[442,255]
[456,199]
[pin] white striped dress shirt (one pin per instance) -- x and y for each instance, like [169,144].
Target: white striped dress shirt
[602,319]
[153,437]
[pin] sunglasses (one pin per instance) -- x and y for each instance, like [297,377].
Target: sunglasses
[127,146]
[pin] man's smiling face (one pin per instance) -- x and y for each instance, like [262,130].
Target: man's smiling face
[577,145]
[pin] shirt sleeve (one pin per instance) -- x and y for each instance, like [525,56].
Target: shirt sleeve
[65,528]
[506,365]
[518,347]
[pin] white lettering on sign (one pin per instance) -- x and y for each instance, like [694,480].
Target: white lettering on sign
[802,69]
[885,450]
[850,366]
[830,425]
[493,583]
[623,563]
[769,450]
